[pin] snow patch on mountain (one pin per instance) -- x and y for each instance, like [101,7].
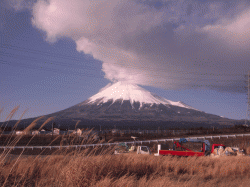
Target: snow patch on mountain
[133,93]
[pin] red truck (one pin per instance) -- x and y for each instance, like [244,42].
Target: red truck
[205,148]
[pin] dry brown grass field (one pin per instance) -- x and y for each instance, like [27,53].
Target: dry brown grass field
[86,168]
[79,169]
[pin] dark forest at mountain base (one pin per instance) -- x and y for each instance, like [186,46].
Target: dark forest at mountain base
[122,125]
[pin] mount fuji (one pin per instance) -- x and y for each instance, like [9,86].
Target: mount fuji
[125,104]
[130,106]
[134,94]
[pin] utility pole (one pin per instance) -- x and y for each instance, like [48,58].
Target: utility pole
[248,98]
[53,129]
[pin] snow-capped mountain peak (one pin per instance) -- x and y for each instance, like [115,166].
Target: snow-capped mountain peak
[133,93]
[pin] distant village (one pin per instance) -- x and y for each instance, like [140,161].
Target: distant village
[55,131]
[99,134]
[45,131]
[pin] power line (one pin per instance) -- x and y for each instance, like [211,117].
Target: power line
[43,69]
[22,57]
[88,68]
[57,55]
[33,51]
[56,70]
[45,54]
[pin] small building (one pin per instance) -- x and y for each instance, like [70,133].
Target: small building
[19,132]
[79,132]
[22,132]
[35,132]
[56,131]
[43,131]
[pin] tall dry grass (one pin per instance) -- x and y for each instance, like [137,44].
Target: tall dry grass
[126,170]
[93,167]
[8,118]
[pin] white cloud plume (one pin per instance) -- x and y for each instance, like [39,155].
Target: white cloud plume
[168,44]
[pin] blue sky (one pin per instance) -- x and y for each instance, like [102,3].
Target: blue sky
[55,54]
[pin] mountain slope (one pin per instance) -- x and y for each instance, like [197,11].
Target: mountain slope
[131,106]
[122,101]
